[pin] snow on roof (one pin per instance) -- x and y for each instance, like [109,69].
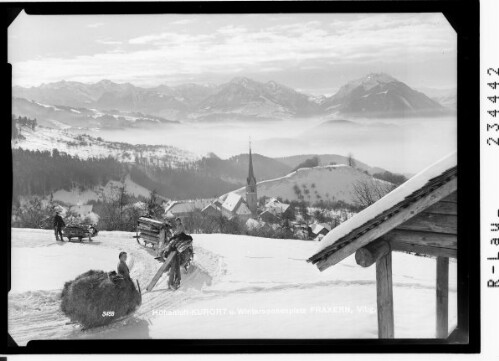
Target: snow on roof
[318,227]
[325,225]
[252,223]
[388,201]
[211,207]
[243,210]
[232,202]
[179,207]
[276,207]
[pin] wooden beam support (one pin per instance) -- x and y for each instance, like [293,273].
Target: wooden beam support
[443,208]
[369,254]
[451,198]
[442,297]
[428,243]
[389,224]
[427,222]
[384,294]
[428,251]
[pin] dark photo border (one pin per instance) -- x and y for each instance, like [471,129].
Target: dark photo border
[462,15]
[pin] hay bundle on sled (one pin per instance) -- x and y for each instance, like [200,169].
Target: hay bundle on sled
[97,298]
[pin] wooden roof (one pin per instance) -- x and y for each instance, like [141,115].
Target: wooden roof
[393,213]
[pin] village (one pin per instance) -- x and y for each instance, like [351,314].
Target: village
[231,213]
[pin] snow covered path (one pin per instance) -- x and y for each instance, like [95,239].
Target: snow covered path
[239,287]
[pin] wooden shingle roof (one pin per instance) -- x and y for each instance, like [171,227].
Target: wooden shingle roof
[434,183]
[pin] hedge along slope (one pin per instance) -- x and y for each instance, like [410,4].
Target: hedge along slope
[88,296]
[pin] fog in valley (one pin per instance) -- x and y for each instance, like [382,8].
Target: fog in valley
[404,145]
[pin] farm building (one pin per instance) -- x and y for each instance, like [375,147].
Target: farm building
[320,229]
[180,209]
[274,211]
[235,206]
[277,208]
[268,216]
[420,216]
[212,210]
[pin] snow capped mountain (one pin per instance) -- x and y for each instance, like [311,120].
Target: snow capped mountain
[63,116]
[445,96]
[327,183]
[379,94]
[249,97]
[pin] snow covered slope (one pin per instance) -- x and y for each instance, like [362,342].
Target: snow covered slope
[328,183]
[239,287]
[85,146]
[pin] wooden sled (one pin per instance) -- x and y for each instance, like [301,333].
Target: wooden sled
[79,232]
[150,232]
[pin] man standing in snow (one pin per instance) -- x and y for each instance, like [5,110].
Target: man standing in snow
[178,235]
[58,224]
[122,266]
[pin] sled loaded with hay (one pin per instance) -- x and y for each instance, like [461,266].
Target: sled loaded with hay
[98,298]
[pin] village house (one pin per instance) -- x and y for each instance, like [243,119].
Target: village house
[274,211]
[320,229]
[235,206]
[181,209]
[213,209]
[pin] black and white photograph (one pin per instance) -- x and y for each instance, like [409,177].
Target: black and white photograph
[233,176]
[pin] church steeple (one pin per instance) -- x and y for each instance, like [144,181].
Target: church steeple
[251,175]
[251,195]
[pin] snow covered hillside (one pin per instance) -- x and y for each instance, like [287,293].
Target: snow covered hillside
[327,183]
[239,287]
[85,146]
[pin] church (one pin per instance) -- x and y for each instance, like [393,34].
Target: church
[235,205]
[251,194]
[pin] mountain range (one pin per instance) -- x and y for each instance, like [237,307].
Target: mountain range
[375,95]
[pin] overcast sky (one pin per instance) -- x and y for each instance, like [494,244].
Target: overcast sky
[315,53]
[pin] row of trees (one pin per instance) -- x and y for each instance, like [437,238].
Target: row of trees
[43,172]
[180,183]
[22,122]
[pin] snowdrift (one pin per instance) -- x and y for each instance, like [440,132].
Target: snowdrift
[96,298]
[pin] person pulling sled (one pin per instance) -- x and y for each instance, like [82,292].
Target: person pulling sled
[58,226]
[181,244]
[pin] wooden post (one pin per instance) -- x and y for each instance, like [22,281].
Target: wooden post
[160,272]
[384,291]
[442,297]
[369,254]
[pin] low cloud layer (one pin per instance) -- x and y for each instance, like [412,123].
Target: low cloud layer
[306,51]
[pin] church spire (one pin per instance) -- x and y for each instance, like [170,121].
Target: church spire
[251,194]
[251,175]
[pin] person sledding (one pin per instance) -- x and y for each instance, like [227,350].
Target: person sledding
[58,226]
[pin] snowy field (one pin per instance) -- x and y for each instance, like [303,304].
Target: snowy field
[239,287]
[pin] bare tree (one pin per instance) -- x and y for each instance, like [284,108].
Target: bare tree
[368,191]
[117,212]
